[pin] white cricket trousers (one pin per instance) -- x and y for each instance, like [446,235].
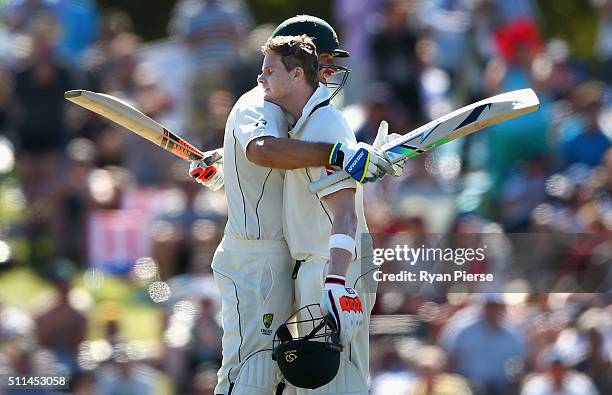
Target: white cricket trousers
[254,281]
[354,369]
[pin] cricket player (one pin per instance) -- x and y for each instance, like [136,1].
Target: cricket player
[252,266]
[321,229]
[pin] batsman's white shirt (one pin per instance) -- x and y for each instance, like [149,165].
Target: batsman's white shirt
[252,266]
[254,193]
[307,220]
[307,225]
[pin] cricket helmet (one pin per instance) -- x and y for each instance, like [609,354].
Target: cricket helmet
[326,40]
[313,360]
[323,35]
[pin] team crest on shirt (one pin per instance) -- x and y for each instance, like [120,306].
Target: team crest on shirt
[267,321]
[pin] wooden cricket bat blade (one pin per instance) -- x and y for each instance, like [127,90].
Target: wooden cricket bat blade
[134,120]
[449,127]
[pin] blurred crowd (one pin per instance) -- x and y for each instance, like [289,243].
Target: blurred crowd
[84,204]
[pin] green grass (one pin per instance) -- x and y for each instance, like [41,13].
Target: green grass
[21,288]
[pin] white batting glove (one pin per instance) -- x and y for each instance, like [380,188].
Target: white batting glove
[343,305]
[361,161]
[383,137]
[209,171]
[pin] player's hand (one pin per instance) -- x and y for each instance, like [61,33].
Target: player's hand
[343,305]
[383,137]
[209,171]
[361,161]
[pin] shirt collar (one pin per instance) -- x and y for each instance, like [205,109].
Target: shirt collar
[319,95]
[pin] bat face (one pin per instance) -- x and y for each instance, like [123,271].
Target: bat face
[461,122]
[132,119]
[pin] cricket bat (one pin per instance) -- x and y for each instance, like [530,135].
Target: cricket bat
[132,119]
[458,123]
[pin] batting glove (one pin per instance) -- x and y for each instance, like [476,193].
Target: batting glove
[383,137]
[344,307]
[209,171]
[361,161]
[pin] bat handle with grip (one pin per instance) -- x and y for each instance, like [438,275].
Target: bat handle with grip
[324,182]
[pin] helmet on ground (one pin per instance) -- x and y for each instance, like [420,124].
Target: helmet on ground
[312,360]
[326,40]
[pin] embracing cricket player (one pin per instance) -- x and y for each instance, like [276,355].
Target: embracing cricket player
[326,232]
[252,266]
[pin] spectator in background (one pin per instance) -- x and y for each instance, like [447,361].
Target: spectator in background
[37,120]
[77,18]
[557,378]
[246,69]
[566,73]
[390,372]
[73,201]
[485,349]
[62,328]
[434,83]
[394,59]
[149,165]
[96,61]
[522,191]
[21,15]
[40,117]
[585,142]
[356,39]
[518,43]
[448,24]
[213,32]
[379,105]
[207,334]
[431,364]
[120,65]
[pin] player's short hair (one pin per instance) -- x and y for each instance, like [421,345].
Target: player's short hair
[296,51]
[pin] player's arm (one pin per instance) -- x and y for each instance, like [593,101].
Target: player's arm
[342,206]
[284,153]
[339,300]
[363,162]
